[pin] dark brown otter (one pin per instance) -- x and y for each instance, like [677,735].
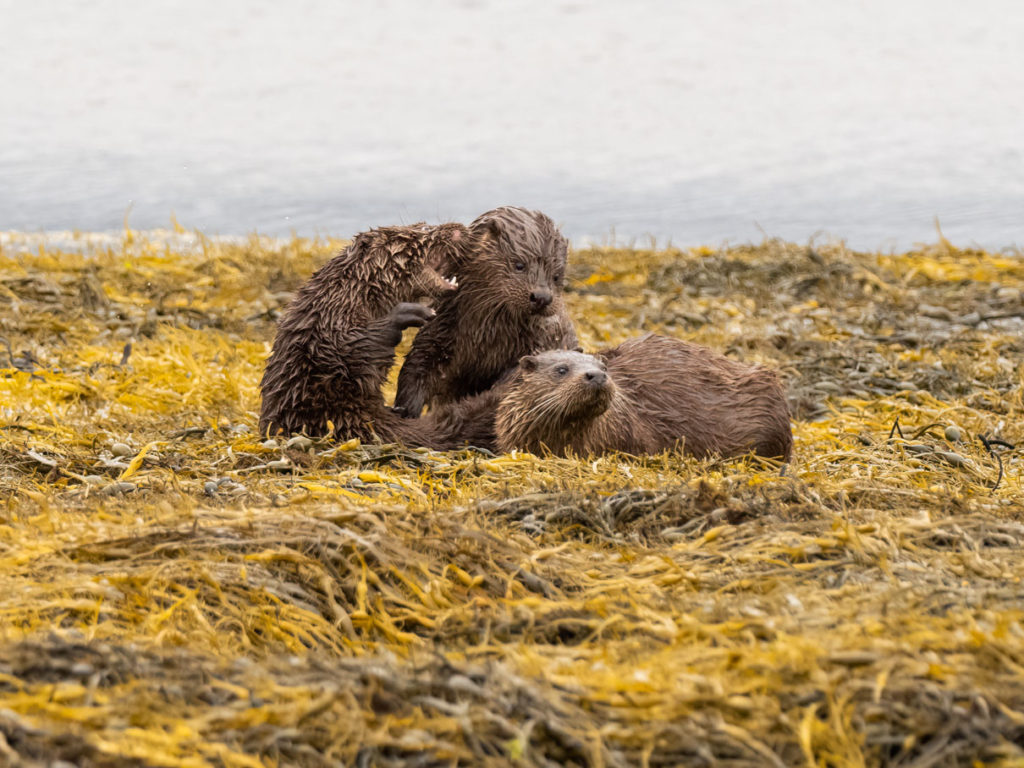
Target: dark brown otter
[336,341]
[644,396]
[509,304]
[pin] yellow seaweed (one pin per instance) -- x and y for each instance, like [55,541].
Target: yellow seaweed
[179,592]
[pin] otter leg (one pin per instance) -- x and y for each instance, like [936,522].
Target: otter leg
[358,362]
[412,383]
[423,366]
[384,334]
[388,330]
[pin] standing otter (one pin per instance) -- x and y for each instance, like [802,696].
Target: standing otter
[509,304]
[335,343]
[644,396]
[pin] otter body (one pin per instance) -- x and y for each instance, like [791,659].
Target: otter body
[509,304]
[644,396]
[336,341]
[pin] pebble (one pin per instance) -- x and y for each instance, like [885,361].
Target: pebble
[299,443]
[955,459]
[953,434]
[936,313]
[270,444]
[210,487]
[119,488]
[1008,294]
[121,449]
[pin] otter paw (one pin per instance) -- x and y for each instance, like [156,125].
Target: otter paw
[408,314]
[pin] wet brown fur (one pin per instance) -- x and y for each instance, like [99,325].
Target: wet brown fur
[335,343]
[482,329]
[644,396]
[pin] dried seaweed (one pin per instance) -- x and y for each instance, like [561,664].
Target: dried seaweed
[179,592]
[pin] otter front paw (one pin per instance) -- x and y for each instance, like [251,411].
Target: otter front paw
[405,315]
[408,314]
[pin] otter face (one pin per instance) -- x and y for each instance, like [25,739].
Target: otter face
[521,269]
[414,260]
[447,247]
[570,386]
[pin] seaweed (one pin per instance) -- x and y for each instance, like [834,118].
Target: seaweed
[178,591]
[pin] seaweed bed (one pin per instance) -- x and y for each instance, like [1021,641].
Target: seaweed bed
[178,592]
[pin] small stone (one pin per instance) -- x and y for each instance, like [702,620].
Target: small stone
[953,434]
[936,313]
[1008,294]
[94,479]
[918,448]
[299,443]
[270,444]
[121,449]
[954,459]
[210,488]
[119,488]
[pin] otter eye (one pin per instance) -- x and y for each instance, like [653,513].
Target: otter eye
[562,370]
[520,266]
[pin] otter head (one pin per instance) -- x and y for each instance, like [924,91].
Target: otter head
[407,263]
[567,388]
[520,266]
[446,248]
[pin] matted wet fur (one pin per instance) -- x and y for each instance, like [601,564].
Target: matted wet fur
[509,304]
[647,395]
[336,341]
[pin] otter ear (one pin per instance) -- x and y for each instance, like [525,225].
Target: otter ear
[494,228]
[528,363]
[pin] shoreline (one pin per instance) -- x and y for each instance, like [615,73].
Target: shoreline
[191,241]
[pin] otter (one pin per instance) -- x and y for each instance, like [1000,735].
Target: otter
[645,396]
[336,341]
[509,304]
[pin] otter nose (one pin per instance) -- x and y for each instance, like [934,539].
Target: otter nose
[540,298]
[595,378]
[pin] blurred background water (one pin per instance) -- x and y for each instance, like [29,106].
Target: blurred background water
[699,122]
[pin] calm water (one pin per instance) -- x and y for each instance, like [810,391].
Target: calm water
[696,121]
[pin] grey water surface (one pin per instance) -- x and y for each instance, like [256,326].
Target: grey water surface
[695,121]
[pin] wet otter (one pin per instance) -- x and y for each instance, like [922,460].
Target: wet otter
[644,396]
[335,343]
[509,304]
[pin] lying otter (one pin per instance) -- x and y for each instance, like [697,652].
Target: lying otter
[336,341]
[644,396]
[509,304]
